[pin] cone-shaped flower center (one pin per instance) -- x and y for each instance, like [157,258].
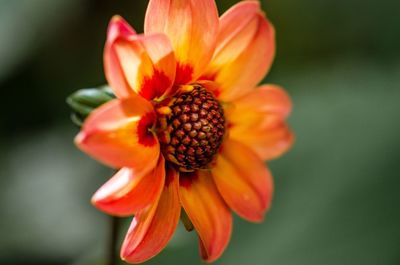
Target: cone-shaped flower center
[194,129]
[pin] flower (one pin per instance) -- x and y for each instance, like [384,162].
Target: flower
[189,129]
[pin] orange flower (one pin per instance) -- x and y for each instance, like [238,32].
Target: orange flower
[189,128]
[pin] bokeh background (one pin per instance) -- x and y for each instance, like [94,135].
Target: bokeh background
[337,191]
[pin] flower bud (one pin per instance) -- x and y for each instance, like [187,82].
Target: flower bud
[84,101]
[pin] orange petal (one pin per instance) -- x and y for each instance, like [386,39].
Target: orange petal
[192,27]
[207,211]
[130,191]
[112,67]
[243,181]
[237,28]
[118,134]
[258,120]
[268,143]
[146,64]
[244,52]
[152,228]
[268,99]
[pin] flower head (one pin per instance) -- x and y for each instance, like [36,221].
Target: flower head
[189,129]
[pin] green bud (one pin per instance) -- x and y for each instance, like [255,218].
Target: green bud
[84,101]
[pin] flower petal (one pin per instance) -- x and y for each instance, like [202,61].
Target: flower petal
[117,134]
[237,28]
[130,191]
[145,64]
[112,67]
[243,181]
[258,120]
[152,228]
[268,99]
[244,52]
[207,211]
[268,143]
[192,27]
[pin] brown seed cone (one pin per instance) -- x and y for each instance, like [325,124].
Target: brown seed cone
[195,126]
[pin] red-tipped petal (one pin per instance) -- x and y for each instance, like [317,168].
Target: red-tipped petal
[192,27]
[243,181]
[146,64]
[207,211]
[129,191]
[258,120]
[117,134]
[117,28]
[244,52]
[151,229]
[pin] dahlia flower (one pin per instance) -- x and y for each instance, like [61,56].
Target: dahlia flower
[190,129]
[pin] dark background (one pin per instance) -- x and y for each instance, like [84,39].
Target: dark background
[337,191]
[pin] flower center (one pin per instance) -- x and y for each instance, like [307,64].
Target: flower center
[193,130]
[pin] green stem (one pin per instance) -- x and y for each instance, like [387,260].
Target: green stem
[112,247]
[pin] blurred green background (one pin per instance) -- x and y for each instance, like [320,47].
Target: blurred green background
[337,191]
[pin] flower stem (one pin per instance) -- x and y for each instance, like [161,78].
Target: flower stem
[113,238]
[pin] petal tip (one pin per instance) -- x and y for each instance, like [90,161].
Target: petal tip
[250,3]
[96,199]
[124,256]
[116,18]
[80,139]
[257,218]
[118,26]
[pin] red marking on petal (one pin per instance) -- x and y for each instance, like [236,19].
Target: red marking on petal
[155,86]
[186,178]
[208,81]
[170,174]
[217,93]
[219,151]
[208,77]
[184,73]
[145,136]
